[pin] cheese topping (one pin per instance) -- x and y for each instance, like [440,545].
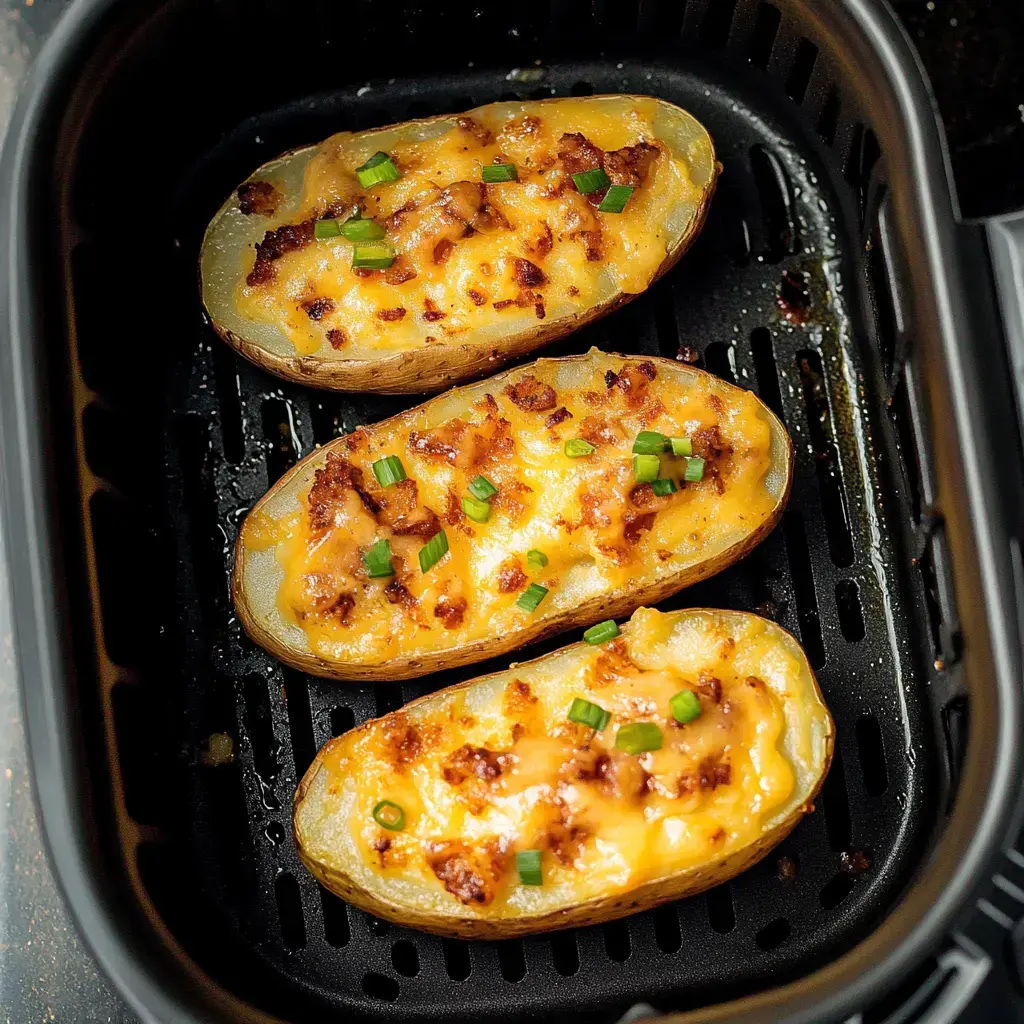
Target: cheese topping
[600,530]
[493,768]
[470,257]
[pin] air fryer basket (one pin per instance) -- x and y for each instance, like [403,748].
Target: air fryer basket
[829,279]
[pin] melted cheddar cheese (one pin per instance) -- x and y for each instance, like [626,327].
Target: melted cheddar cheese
[602,533]
[461,255]
[494,767]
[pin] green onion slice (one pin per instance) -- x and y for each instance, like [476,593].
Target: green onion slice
[576,447]
[536,559]
[482,488]
[531,597]
[585,713]
[685,706]
[433,551]
[681,445]
[377,560]
[650,442]
[378,168]
[359,230]
[591,181]
[638,737]
[528,866]
[389,815]
[492,173]
[663,487]
[326,229]
[694,470]
[646,468]
[603,631]
[372,255]
[615,199]
[388,470]
[478,511]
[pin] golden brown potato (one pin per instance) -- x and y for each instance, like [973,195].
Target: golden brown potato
[478,775]
[482,271]
[334,571]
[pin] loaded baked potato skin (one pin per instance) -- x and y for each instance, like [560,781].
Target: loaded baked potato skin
[496,536]
[481,271]
[494,768]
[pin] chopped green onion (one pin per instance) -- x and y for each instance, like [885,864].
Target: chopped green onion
[585,713]
[377,560]
[482,488]
[646,468]
[591,181]
[681,445]
[576,447]
[326,229]
[662,488]
[615,199]
[638,737]
[603,631]
[685,706]
[359,230]
[378,168]
[694,470]
[478,511]
[528,866]
[433,551]
[372,255]
[492,173]
[536,559]
[389,815]
[388,470]
[649,442]
[531,597]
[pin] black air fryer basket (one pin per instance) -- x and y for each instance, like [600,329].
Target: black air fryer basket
[833,278]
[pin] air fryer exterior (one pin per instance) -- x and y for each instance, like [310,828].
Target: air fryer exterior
[976,467]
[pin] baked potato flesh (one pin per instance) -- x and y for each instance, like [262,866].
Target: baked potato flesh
[493,768]
[602,542]
[481,270]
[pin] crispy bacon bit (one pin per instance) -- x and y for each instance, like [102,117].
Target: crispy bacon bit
[259,197]
[480,133]
[477,298]
[531,395]
[565,839]
[593,243]
[572,291]
[382,845]
[585,764]
[443,250]
[492,442]
[521,128]
[664,555]
[389,316]
[643,496]
[431,312]
[716,403]
[277,243]
[518,697]
[622,777]
[578,153]
[443,442]
[462,872]
[543,243]
[649,370]
[317,309]
[510,577]
[342,608]
[629,165]
[635,525]
[713,773]
[364,271]
[710,686]
[397,219]
[423,523]
[478,762]
[508,502]
[402,740]
[337,337]
[558,416]
[399,272]
[329,485]
[528,274]
[688,354]
[503,303]
[398,593]
[708,444]
[593,515]
[538,308]
[450,610]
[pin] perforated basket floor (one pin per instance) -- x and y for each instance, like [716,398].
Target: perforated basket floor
[218,859]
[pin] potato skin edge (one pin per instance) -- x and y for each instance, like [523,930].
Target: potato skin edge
[612,606]
[593,911]
[431,369]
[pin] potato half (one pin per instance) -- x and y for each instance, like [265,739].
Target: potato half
[493,768]
[586,530]
[482,272]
